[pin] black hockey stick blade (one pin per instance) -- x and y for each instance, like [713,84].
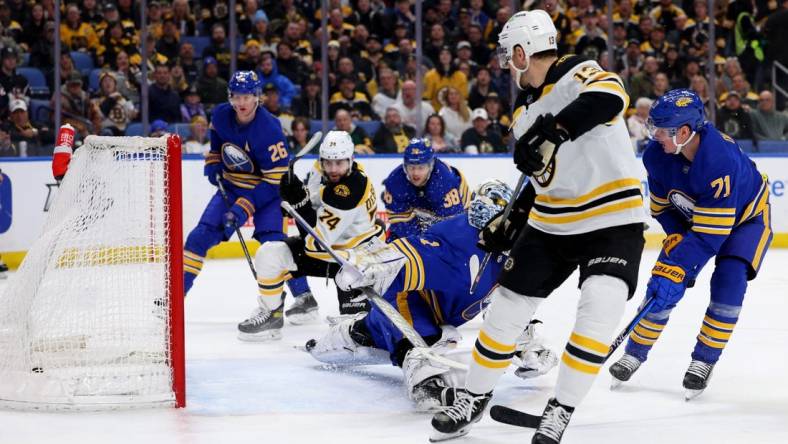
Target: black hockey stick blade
[514,417]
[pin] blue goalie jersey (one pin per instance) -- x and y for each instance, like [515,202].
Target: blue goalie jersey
[411,209]
[719,202]
[442,263]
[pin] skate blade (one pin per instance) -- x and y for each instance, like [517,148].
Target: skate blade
[690,394]
[311,317]
[440,436]
[260,337]
[615,383]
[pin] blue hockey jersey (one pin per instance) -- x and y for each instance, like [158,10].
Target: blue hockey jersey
[411,209]
[442,263]
[706,199]
[253,156]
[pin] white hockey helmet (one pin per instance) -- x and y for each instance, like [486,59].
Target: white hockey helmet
[337,145]
[533,31]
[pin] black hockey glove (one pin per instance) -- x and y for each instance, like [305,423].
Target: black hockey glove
[293,191]
[538,144]
[498,235]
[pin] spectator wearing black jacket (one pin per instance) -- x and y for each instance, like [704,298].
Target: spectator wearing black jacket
[733,120]
[393,136]
[308,103]
[164,102]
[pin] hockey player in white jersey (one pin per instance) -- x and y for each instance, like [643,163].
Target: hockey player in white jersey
[339,202]
[582,209]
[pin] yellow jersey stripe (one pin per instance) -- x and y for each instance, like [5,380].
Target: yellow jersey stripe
[710,342]
[616,185]
[633,202]
[715,211]
[719,325]
[580,366]
[484,362]
[760,251]
[651,325]
[641,340]
[418,272]
[716,231]
[715,334]
[589,344]
[494,345]
[403,308]
[722,221]
[659,200]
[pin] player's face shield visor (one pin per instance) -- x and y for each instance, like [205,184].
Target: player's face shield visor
[504,57]
[657,133]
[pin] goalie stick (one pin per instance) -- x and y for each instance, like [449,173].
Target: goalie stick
[506,212]
[517,418]
[388,310]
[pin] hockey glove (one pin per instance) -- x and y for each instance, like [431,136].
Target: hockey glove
[235,217]
[667,285]
[499,235]
[668,244]
[538,145]
[293,191]
[213,171]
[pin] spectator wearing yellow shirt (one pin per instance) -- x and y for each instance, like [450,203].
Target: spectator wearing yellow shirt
[76,35]
[443,76]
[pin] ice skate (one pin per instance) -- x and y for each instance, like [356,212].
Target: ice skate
[697,378]
[263,325]
[457,420]
[623,369]
[303,311]
[554,420]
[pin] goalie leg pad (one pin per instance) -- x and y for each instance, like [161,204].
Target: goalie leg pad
[602,302]
[341,346]
[423,379]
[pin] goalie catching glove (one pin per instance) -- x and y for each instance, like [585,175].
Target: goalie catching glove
[373,264]
[533,151]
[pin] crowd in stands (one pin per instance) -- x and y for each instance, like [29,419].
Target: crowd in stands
[372,66]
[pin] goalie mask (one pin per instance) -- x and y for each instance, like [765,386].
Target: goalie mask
[489,199]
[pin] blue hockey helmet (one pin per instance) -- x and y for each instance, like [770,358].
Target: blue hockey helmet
[489,199]
[675,109]
[244,82]
[419,152]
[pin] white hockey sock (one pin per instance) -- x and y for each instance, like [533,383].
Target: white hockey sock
[602,302]
[273,261]
[506,319]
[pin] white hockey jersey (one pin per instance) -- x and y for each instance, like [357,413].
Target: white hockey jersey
[592,182]
[345,211]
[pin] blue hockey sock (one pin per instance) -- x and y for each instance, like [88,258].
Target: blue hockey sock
[298,286]
[728,284]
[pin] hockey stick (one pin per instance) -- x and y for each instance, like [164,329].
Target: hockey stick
[237,228]
[506,212]
[517,418]
[383,305]
[303,152]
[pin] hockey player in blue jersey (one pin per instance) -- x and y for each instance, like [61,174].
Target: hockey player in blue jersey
[427,278]
[712,202]
[249,155]
[423,191]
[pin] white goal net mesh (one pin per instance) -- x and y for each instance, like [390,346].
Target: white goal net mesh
[84,323]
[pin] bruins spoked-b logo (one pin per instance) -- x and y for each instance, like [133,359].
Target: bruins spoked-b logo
[509,264]
[236,159]
[546,177]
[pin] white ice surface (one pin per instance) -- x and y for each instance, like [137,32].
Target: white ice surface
[273,393]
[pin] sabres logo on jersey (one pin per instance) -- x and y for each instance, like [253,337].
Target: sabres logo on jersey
[236,160]
[684,203]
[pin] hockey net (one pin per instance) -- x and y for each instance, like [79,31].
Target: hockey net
[93,318]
